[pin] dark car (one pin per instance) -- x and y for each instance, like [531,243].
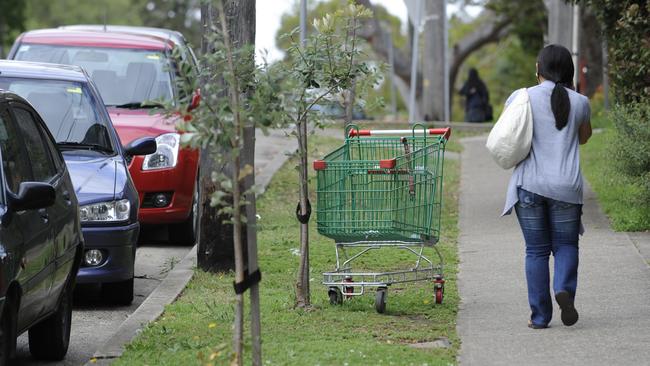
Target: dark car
[41,244]
[73,111]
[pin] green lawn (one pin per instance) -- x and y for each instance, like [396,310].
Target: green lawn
[619,196]
[196,329]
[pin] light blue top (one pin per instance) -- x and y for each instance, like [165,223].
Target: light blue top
[552,169]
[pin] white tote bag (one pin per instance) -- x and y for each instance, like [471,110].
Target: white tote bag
[510,139]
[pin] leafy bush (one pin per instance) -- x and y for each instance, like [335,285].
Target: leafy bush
[632,143]
[627,28]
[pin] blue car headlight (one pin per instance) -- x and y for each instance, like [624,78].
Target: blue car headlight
[166,154]
[110,211]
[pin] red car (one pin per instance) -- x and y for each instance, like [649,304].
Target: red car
[131,70]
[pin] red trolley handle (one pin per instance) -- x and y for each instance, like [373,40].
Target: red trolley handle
[445,132]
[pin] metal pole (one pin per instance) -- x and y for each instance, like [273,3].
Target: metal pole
[605,75]
[446,60]
[574,45]
[303,22]
[414,66]
[391,62]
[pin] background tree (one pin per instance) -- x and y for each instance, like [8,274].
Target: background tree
[317,10]
[48,14]
[12,22]
[181,15]
[626,26]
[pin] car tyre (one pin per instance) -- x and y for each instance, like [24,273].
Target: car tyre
[118,293]
[7,332]
[49,339]
[186,233]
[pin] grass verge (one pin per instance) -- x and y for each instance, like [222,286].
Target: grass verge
[619,195]
[196,329]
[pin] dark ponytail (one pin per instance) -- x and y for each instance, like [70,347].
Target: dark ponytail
[554,63]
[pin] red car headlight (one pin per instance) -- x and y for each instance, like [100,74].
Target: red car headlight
[166,156]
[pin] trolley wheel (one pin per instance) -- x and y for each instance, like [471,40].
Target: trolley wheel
[380,299]
[348,289]
[439,289]
[336,298]
[440,293]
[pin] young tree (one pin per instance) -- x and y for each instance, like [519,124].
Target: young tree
[326,67]
[223,127]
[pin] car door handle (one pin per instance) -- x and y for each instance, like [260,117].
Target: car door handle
[66,197]
[44,215]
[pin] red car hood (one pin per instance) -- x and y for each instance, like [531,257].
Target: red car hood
[133,123]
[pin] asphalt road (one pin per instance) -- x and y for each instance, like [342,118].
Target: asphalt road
[92,321]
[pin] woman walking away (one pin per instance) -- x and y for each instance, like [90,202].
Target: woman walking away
[477,98]
[546,187]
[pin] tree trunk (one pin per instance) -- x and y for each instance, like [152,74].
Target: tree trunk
[215,250]
[248,157]
[302,286]
[2,37]
[236,242]
[591,52]
[350,97]
[491,30]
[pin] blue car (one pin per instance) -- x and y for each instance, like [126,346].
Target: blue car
[73,111]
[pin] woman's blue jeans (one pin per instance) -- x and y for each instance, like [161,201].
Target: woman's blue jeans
[549,226]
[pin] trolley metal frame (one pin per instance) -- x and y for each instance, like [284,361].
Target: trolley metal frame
[344,282]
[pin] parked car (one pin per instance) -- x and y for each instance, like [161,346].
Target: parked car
[41,244]
[72,109]
[131,70]
[176,37]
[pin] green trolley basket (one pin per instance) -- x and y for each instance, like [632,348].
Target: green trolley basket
[382,189]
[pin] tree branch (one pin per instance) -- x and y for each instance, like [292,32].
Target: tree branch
[492,29]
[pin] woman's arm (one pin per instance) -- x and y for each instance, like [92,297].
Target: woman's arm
[584,132]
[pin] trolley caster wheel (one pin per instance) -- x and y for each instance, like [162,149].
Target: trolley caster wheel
[336,298]
[439,289]
[380,299]
[348,290]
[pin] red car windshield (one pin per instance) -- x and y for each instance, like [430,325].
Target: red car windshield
[125,77]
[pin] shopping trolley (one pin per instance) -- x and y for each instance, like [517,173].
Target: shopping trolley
[382,189]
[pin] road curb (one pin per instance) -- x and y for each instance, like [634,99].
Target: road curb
[167,291]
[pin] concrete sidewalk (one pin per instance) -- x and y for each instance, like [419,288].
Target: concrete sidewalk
[613,288]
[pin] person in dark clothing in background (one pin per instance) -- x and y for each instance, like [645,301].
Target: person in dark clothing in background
[477,99]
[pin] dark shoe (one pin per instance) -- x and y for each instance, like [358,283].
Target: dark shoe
[569,313]
[536,326]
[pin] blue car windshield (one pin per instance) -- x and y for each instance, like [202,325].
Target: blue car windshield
[124,76]
[68,109]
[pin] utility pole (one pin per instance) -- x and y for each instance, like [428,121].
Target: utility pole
[433,62]
[415,10]
[447,99]
[560,23]
[575,45]
[605,74]
[563,29]
[303,22]
[391,62]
